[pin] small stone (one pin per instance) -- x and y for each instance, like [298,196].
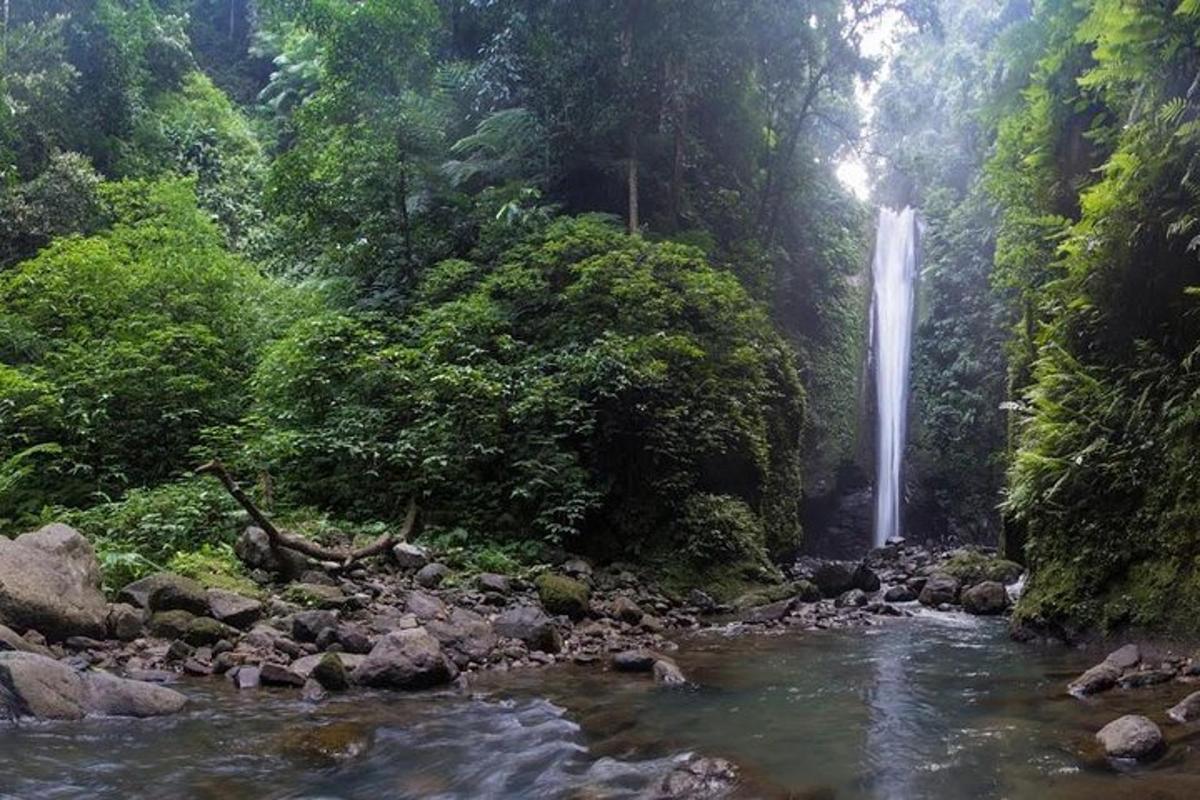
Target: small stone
[424,606]
[247,678]
[577,568]
[1131,737]
[531,626]
[313,692]
[855,598]
[940,590]
[771,612]
[701,600]
[1149,677]
[431,576]
[179,651]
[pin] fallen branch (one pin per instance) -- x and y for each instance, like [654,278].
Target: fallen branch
[278,538]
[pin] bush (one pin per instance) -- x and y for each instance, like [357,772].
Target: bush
[586,387]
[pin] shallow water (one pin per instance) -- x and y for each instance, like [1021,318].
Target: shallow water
[940,706]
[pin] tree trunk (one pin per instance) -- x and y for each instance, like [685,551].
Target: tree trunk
[634,222]
[679,122]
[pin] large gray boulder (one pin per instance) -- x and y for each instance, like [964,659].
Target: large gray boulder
[50,582]
[253,547]
[834,577]
[33,685]
[465,636]
[985,599]
[234,609]
[530,625]
[409,659]
[939,589]
[1187,709]
[1099,678]
[1131,737]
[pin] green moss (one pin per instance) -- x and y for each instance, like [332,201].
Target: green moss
[972,567]
[215,567]
[313,595]
[562,595]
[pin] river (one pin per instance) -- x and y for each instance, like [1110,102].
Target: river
[937,706]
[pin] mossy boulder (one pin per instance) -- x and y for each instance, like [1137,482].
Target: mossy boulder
[202,631]
[314,595]
[170,624]
[562,595]
[972,567]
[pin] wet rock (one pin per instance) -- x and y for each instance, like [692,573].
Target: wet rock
[1148,677]
[634,661]
[899,594]
[308,625]
[807,591]
[985,599]
[50,582]
[177,593]
[625,609]
[1126,657]
[205,631]
[1099,678]
[253,547]
[137,594]
[327,745]
[531,626]
[331,673]
[701,600]
[855,598]
[123,622]
[410,556]
[170,624]
[10,641]
[315,595]
[491,582]
[865,578]
[304,667]
[33,685]
[353,639]
[771,612]
[562,595]
[234,609]
[1187,709]
[833,578]
[465,636]
[313,692]
[939,589]
[431,576]
[410,660]
[179,651]
[247,678]
[279,675]
[698,778]
[668,673]
[424,606]
[1131,737]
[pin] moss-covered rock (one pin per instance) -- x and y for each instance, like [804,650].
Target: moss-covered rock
[972,567]
[562,595]
[314,595]
[203,631]
[170,624]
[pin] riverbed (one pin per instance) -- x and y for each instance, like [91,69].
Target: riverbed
[936,706]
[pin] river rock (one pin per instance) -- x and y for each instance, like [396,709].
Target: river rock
[701,600]
[698,778]
[203,631]
[1187,709]
[424,606]
[247,677]
[899,594]
[279,675]
[496,584]
[410,660]
[1146,677]
[431,576]
[939,589]
[1131,737]
[308,625]
[577,568]
[327,745]
[253,547]
[1125,657]
[124,622]
[1097,679]
[10,641]
[304,667]
[667,673]
[985,599]
[530,625]
[465,636]
[625,609]
[50,582]
[865,578]
[33,685]
[177,593]
[330,672]
[410,556]
[634,661]
[137,594]
[562,595]
[833,578]
[771,612]
[234,609]
[855,598]
[170,624]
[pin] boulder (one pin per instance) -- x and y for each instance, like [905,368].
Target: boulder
[253,547]
[50,582]
[634,661]
[424,606]
[625,609]
[562,595]
[807,591]
[833,578]
[331,673]
[577,568]
[409,556]
[531,626]
[771,612]
[865,578]
[247,677]
[431,576]
[702,600]
[177,593]
[327,745]
[1126,657]
[1097,679]
[202,631]
[124,622]
[10,641]
[985,599]
[306,666]
[137,594]
[1131,737]
[410,659]
[1187,709]
[234,609]
[698,778]
[307,625]
[36,686]
[939,589]
[170,624]
[465,636]
[855,598]
[899,594]
[279,675]
[1146,677]
[491,582]
[667,673]
[315,595]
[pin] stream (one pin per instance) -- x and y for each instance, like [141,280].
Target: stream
[936,706]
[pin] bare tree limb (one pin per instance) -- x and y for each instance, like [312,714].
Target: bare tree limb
[278,538]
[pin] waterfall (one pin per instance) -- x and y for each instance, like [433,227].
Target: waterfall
[893,273]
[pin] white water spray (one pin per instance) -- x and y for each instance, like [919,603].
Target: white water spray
[893,271]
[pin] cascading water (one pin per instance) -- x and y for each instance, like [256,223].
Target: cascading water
[893,272]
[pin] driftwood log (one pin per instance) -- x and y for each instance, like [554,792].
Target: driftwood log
[278,538]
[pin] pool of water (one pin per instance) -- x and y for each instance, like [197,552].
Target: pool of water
[938,706]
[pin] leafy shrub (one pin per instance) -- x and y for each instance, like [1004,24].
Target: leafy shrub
[216,566]
[583,388]
[720,529]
